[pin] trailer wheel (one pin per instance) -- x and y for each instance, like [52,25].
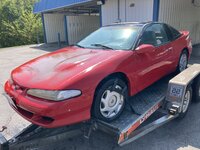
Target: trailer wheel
[110,100]
[196,88]
[186,102]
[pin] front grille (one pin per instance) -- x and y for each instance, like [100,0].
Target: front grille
[26,113]
[40,119]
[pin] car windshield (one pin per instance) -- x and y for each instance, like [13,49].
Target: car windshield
[112,37]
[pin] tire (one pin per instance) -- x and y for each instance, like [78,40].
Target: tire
[183,62]
[196,89]
[187,101]
[110,99]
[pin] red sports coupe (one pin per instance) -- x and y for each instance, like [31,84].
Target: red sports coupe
[97,76]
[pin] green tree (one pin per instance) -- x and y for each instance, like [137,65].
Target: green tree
[18,24]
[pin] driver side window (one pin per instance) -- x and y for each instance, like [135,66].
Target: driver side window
[154,35]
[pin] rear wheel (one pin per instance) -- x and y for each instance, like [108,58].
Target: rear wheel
[186,102]
[110,99]
[183,62]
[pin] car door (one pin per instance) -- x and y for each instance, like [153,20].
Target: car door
[164,51]
[154,60]
[174,36]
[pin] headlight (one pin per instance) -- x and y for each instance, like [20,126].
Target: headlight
[54,95]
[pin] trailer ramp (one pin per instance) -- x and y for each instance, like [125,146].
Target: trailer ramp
[145,104]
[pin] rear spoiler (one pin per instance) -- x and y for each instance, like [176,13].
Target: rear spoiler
[185,33]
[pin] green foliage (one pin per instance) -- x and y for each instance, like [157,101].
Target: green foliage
[18,24]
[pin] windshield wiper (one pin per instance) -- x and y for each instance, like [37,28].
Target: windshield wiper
[101,45]
[78,45]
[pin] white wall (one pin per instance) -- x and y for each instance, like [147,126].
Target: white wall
[142,11]
[109,12]
[182,15]
[79,27]
[179,13]
[54,24]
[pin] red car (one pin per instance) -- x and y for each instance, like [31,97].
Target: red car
[98,75]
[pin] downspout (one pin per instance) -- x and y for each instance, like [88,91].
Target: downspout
[125,11]
[118,19]
[100,14]
[44,29]
[66,30]
[156,8]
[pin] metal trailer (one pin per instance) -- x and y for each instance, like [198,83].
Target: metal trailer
[168,98]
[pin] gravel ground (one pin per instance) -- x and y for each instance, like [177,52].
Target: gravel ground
[176,135]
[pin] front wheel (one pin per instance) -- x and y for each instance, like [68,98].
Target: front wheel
[110,99]
[183,62]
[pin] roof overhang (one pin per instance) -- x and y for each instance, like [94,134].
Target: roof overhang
[45,6]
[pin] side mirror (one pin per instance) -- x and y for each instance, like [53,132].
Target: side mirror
[144,48]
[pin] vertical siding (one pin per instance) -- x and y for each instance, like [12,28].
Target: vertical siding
[78,27]
[182,15]
[142,11]
[81,26]
[109,12]
[54,24]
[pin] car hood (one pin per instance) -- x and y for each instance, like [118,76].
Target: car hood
[50,70]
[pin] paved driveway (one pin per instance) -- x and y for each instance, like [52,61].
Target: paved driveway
[184,134]
[9,59]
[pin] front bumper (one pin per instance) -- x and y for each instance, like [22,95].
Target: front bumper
[47,113]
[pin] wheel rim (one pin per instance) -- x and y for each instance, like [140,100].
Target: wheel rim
[186,101]
[111,103]
[183,62]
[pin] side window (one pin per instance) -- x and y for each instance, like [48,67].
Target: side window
[168,31]
[175,33]
[154,35]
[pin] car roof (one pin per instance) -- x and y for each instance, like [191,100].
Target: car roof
[142,24]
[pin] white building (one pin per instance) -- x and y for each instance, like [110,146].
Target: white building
[75,19]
